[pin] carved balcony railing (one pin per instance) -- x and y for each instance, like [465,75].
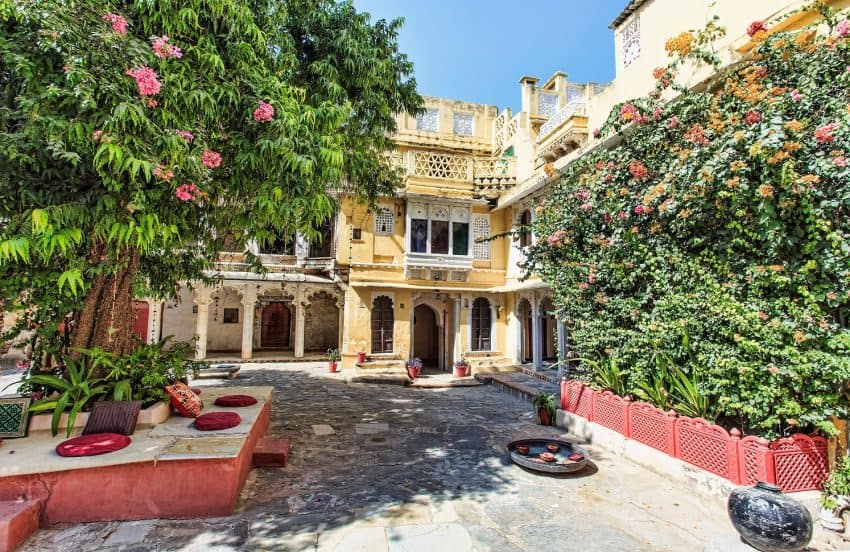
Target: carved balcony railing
[489,175]
[573,109]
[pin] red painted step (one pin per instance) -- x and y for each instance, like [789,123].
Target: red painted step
[271,452]
[18,520]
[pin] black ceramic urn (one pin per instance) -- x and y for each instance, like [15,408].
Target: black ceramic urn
[769,520]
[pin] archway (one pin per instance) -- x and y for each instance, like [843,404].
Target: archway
[526,344]
[425,336]
[275,326]
[321,323]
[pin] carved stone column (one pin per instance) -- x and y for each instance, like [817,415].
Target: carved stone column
[299,322]
[536,336]
[249,304]
[203,298]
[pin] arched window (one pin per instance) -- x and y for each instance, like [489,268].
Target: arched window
[382,324]
[525,229]
[481,323]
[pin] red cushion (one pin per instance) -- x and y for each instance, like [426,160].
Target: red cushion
[235,400]
[92,444]
[184,401]
[217,420]
[196,390]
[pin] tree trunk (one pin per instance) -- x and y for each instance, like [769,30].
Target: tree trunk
[106,319]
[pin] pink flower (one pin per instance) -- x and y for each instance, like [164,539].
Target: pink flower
[696,135]
[186,135]
[755,27]
[556,239]
[840,161]
[795,95]
[146,80]
[187,192]
[843,28]
[583,194]
[674,122]
[22,365]
[164,50]
[152,103]
[752,117]
[607,218]
[119,24]
[622,215]
[628,112]
[264,112]
[824,134]
[583,285]
[773,370]
[638,170]
[586,207]
[97,135]
[211,159]
[639,210]
[163,174]
[596,133]
[656,113]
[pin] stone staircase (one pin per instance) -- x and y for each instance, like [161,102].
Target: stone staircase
[490,365]
[380,370]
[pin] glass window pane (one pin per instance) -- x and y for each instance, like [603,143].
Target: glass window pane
[418,235]
[460,238]
[439,236]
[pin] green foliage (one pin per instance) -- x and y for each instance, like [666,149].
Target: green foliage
[545,401]
[75,390]
[333,355]
[720,215]
[144,373]
[837,485]
[90,168]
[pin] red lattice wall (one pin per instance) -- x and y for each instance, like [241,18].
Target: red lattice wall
[801,462]
[652,426]
[612,411]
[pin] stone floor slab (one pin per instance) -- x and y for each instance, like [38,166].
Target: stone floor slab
[323,429]
[371,429]
[429,538]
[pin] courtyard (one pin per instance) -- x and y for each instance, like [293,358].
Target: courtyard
[385,467]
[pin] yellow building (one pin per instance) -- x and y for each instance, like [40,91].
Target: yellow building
[417,275]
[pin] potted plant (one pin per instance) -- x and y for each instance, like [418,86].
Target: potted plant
[414,367]
[545,405]
[835,501]
[461,368]
[361,354]
[333,359]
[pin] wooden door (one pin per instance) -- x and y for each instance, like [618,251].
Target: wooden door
[382,325]
[274,332]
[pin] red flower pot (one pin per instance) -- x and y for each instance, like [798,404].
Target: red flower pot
[413,372]
[332,367]
[361,358]
[543,414]
[461,371]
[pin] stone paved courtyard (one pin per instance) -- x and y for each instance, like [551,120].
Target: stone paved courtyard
[382,467]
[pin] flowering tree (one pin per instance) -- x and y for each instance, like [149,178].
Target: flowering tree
[139,136]
[716,235]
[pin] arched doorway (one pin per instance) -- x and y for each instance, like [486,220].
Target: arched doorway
[526,348]
[425,334]
[275,326]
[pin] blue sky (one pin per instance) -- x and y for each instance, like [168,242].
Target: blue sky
[477,50]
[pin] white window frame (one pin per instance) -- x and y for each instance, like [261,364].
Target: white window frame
[454,216]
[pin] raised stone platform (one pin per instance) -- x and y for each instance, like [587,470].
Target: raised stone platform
[170,471]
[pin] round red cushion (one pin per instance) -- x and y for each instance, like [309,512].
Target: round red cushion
[235,400]
[196,390]
[92,444]
[217,420]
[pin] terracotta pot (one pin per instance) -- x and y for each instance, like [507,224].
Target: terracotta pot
[361,358]
[332,367]
[413,372]
[461,371]
[553,447]
[543,414]
[522,449]
[769,520]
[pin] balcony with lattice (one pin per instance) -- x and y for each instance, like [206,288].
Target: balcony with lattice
[482,176]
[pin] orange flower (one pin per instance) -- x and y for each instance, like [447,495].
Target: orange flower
[738,166]
[681,44]
[794,125]
[777,157]
[733,183]
[791,147]
[810,179]
[766,190]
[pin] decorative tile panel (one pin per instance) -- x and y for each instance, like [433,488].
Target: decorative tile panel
[480,233]
[429,120]
[463,124]
[435,165]
[438,212]
[460,214]
[630,39]
[418,211]
[547,104]
[384,221]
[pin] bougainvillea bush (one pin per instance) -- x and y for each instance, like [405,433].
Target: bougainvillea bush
[139,137]
[711,234]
